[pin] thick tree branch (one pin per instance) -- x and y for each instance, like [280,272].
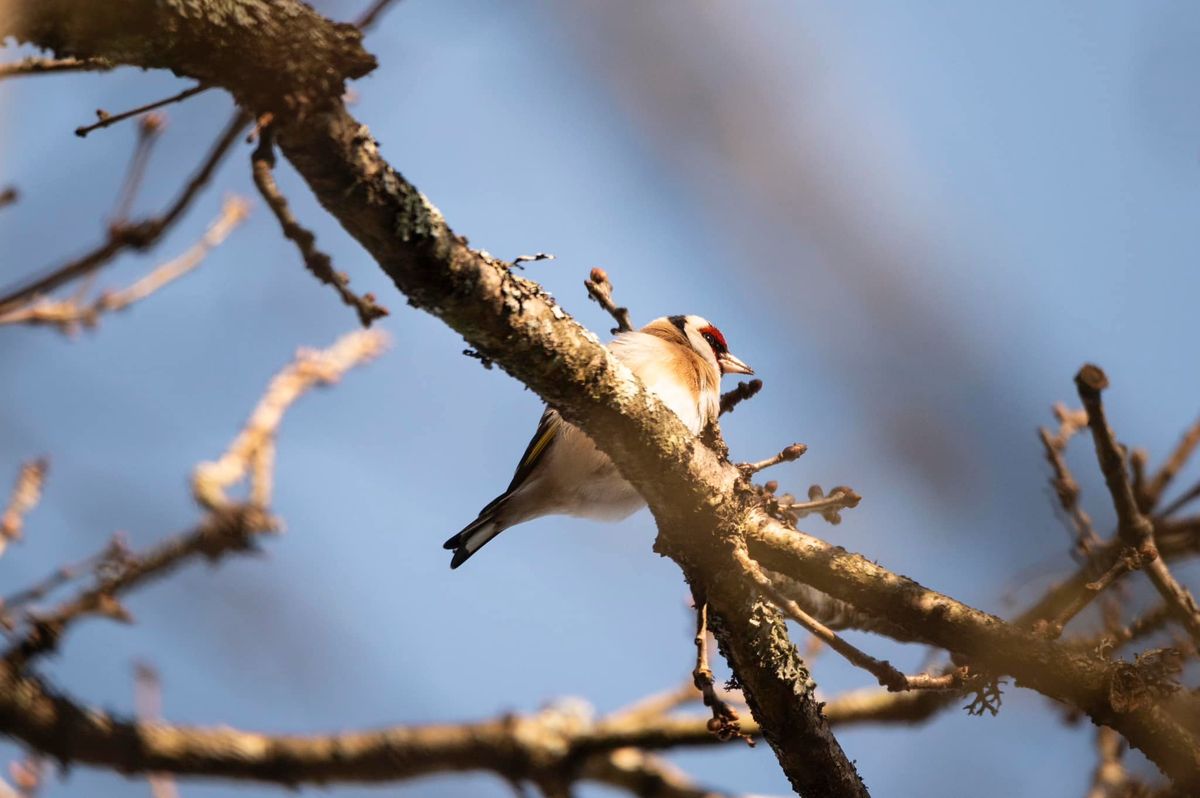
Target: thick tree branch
[1097,686]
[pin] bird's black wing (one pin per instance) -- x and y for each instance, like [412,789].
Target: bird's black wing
[547,429]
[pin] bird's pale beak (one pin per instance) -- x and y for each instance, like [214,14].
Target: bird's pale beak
[732,365]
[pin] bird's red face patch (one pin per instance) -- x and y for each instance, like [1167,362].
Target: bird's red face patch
[715,339]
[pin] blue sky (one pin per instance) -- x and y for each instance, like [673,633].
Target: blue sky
[916,221]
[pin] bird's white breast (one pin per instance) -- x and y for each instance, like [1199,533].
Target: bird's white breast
[658,364]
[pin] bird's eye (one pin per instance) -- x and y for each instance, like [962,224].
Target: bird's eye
[713,342]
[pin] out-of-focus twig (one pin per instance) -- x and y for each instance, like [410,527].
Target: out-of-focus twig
[232,529]
[8,195]
[69,314]
[372,14]
[253,448]
[45,66]
[643,774]
[116,551]
[1109,779]
[1066,489]
[1134,528]
[105,119]
[25,495]
[1185,498]
[1153,490]
[135,235]
[149,128]
[1053,627]
[28,774]
[319,264]
[600,289]
[147,703]
[229,527]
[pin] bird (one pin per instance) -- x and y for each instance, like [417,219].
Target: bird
[680,359]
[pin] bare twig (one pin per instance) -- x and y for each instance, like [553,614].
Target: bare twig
[643,774]
[1188,496]
[725,721]
[884,671]
[8,195]
[653,706]
[1133,527]
[1053,628]
[743,391]
[28,774]
[830,507]
[1174,539]
[231,530]
[116,551]
[149,128]
[789,454]
[68,314]
[1153,490]
[147,702]
[105,119]
[1109,778]
[369,17]
[1142,626]
[317,262]
[521,260]
[137,235]
[25,495]
[246,453]
[1063,482]
[45,66]
[600,289]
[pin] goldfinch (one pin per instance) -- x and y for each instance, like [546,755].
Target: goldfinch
[678,358]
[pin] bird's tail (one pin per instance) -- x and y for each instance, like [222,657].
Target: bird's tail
[475,534]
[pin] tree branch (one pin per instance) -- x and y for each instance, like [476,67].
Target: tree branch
[69,314]
[25,495]
[1134,529]
[317,262]
[46,66]
[252,451]
[703,507]
[105,119]
[139,235]
[231,530]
